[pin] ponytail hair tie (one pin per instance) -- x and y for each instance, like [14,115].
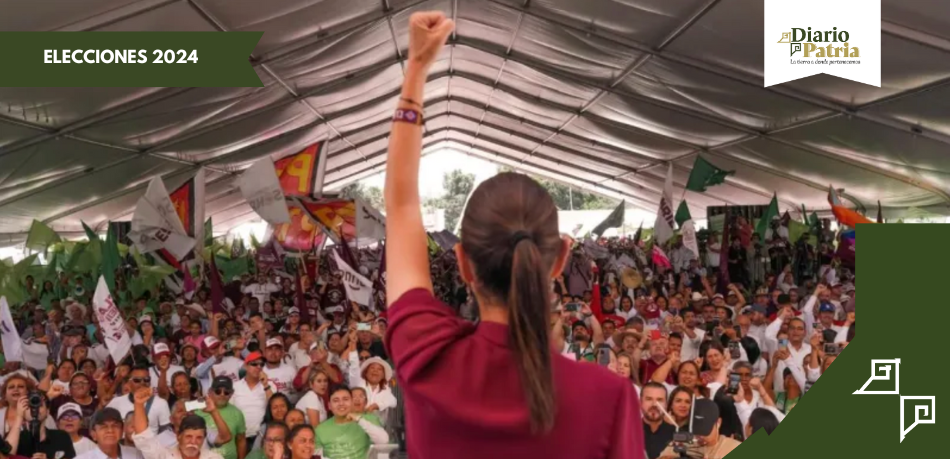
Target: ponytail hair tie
[518,237]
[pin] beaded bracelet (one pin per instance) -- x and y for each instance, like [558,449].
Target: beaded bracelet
[408,115]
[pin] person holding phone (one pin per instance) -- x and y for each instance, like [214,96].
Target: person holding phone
[510,252]
[233,443]
[191,436]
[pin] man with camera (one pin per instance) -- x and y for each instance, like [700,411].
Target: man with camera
[703,440]
[37,441]
[191,434]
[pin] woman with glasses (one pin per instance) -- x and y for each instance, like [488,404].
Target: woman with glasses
[80,394]
[347,434]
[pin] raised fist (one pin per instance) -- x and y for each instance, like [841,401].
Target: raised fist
[428,32]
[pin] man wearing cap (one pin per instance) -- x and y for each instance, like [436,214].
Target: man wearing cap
[191,434]
[224,360]
[370,342]
[107,431]
[279,372]
[292,326]
[317,361]
[337,321]
[211,346]
[251,394]
[163,369]
[69,420]
[825,318]
[708,444]
[221,390]
[157,407]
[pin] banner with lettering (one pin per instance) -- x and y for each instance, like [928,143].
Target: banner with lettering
[358,287]
[370,224]
[298,173]
[113,325]
[334,215]
[301,234]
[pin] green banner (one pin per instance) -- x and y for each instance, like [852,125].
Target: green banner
[128,59]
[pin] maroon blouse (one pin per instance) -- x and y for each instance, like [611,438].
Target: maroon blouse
[464,399]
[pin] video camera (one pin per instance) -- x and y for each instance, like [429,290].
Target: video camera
[681,443]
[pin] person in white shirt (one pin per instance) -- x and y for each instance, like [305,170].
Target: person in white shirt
[107,431]
[261,289]
[373,375]
[300,351]
[224,362]
[191,436]
[797,347]
[713,248]
[157,408]
[251,394]
[692,335]
[69,420]
[313,403]
[163,369]
[278,371]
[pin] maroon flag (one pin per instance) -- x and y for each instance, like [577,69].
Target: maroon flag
[724,247]
[347,254]
[379,285]
[217,289]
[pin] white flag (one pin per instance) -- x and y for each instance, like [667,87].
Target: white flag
[155,224]
[261,189]
[688,232]
[370,224]
[663,228]
[358,287]
[11,337]
[113,326]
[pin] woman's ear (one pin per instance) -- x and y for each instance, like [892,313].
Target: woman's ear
[465,269]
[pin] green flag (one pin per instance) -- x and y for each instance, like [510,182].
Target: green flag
[766,219]
[705,174]
[614,220]
[41,236]
[90,260]
[110,259]
[682,214]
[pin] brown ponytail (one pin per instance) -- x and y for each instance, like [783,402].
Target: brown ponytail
[510,237]
[528,312]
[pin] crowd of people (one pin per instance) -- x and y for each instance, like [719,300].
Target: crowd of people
[705,350]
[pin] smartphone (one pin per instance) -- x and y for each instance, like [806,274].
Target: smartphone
[832,349]
[738,330]
[363,327]
[734,350]
[717,333]
[572,307]
[783,343]
[733,387]
[195,406]
[603,356]
[655,335]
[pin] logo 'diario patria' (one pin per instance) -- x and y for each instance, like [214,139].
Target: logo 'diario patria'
[811,43]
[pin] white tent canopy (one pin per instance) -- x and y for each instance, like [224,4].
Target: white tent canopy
[600,94]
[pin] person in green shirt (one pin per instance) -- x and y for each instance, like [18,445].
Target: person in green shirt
[221,390]
[348,435]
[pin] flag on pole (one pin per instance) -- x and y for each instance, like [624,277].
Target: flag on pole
[724,248]
[379,285]
[358,287]
[705,174]
[12,350]
[41,237]
[682,214]
[766,220]
[844,215]
[688,233]
[663,228]
[638,235]
[111,322]
[660,258]
[261,189]
[156,225]
[110,258]
[209,235]
[217,289]
[880,215]
[370,224]
[614,220]
[301,302]
[298,173]
[189,202]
